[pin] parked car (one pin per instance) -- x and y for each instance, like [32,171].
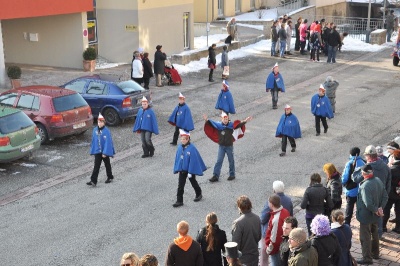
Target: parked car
[115,100]
[19,136]
[56,112]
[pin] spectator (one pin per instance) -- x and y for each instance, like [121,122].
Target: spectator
[148,70]
[289,32]
[390,20]
[342,36]
[246,232]
[297,31]
[301,251]
[130,259]
[325,33]
[181,118]
[333,44]
[344,234]
[314,199]
[232,254]
[212,62]
[303,36]
[231,28]
[394,194]
[137,68]
[273,237]
[212,241]
[225,100]
[183,251]
[282,40]
[379,151]
[315,43]
[224,62]
[288,128]
[277,187]
[325,242]
[391,147]
[275,84]
[331,86]
[159,64]
[334,185]
[284,251]
[351,187]
[321,109]
[149,260]
[371,200]
[274,38]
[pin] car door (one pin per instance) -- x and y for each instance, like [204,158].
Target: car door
[96,96]
[30,105]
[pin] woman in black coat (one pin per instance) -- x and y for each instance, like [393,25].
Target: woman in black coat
[296,27]
[211,61]
[343,233]
[159,64]
[212,240]
[148,70]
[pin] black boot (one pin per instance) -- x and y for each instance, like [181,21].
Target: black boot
[151,151]
[145,151]
[210,77]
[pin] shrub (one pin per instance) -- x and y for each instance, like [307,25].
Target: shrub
[89,54]
[14,72]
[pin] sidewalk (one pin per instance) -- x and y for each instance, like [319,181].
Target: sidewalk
[389,244]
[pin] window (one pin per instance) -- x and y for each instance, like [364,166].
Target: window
[186,23]
[27,101]
[8,99]
[96,88]
[68,102]
[76,86]
[14,122]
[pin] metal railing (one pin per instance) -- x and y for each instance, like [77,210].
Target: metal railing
[287,6]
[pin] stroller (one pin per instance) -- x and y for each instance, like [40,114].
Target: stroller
[171,75]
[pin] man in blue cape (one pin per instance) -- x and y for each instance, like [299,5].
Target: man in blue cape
[181,118]
[225,100]
[288,128]
[102,148]
[188,163]
[275,85]
[146,125]
[321,109]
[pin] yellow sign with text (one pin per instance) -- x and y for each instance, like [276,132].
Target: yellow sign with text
[131,28]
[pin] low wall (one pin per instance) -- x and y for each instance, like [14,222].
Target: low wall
[378,37]
[200,29]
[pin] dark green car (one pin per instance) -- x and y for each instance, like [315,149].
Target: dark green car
[19,136]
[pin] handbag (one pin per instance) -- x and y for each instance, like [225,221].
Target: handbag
[210,65]
[226,71]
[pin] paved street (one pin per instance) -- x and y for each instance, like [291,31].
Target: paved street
[49,215]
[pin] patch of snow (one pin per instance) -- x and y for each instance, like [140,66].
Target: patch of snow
[29,165]
[55,158]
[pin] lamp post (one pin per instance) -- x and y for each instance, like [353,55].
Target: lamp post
[368,22]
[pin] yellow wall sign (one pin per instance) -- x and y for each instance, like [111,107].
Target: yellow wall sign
[131,28]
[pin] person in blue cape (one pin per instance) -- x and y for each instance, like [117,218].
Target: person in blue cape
[181,118]
[275,84]
[189,164]
[102,148]
[288,128]
[224,133]
[321,108]
[225,100]
[146,125]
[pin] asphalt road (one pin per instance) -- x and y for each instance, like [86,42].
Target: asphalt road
[49,216]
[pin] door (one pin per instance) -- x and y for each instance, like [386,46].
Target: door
[186,23]
[220,8]
[237,6]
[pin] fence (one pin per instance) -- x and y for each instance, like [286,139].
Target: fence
[287,6]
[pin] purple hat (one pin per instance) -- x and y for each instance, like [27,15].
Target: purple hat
[320,225]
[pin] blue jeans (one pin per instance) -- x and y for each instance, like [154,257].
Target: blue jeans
[273,47]
[221,155]
[275,259]
[283,48]
[332,54]
[388,34]
[274,95]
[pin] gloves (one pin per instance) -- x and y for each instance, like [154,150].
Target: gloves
[190,175]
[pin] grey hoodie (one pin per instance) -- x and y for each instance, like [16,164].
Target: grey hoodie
[330,87]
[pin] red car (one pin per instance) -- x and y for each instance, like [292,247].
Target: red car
[56,112]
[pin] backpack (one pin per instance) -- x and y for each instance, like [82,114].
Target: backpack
[314,38]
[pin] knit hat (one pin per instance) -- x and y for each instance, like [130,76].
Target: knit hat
[355,151]
[329,79]
[298,235]
[370,150]
[367,168]
[320,225]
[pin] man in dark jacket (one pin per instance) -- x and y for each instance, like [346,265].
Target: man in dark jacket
[289,224]
[184,251]
[159,64]
[212,62]
[274,38]
[333,44]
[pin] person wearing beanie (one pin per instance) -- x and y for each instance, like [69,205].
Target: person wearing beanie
[325,242]
[321,109]
[288,128]
[350,187]
[372,198]
[181,118]
[391,147]
[394,194]
[225,100]
[379,151]
[331,86]
[302,253]
[275,84]
[102,148]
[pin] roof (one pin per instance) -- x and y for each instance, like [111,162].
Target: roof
[44,90]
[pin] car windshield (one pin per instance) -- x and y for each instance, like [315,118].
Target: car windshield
[130,86]
[68,102]
[14,122]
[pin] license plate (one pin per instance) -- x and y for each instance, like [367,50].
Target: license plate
[27,148]
[80,125]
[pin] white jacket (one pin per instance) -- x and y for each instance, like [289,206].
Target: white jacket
[137,68]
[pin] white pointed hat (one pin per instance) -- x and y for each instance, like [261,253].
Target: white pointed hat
[100,117]
[144,99]
[287,106]
[184,132]
[276,65]
[181,95]
[223,114]
[225,83]
[322,87]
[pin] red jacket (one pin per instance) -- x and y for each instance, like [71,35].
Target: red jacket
[273,236]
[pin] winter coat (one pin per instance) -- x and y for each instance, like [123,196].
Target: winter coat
[395,172]
[321,106]
[211,56]
[328,249]
[315,40]
[246,232]
[184,251]
[289,126]
[344,234]
[212,257]
[274,34]
[282,34]
[289,32]
[330,87]
[273,236]
[224,59]
[333,38]
[325,34]
[305,255]
[390,22]
[159,62]
[347,173]
[303,32]
[137,68]
[381,170]
[334,187]
[314,198]
[231,28]
[371,196]
[284,250]
[148,68]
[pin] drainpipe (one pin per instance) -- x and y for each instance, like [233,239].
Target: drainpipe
[368,22]
[207,25]
[384,13]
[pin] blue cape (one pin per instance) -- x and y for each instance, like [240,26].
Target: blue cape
[146,120]
[289,126]
[279,82]
[182,118]
[188,159]
[225,102]
[102,142]
[321,106]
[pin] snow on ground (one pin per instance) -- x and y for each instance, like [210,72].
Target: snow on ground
[257,27]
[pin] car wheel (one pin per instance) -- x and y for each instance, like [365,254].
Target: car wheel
[111,116]
[395,61]
[44,137]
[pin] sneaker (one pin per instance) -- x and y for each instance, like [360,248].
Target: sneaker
[213,179]
[145,155]
[293,149]
[282,154]
[198,198]
[231,178]
[91,184]
[174,143]
[275,107]
[109,180]
[211,80]
[177,204]
[364,262]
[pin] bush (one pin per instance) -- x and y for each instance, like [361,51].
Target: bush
[89,54]
[14,72]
